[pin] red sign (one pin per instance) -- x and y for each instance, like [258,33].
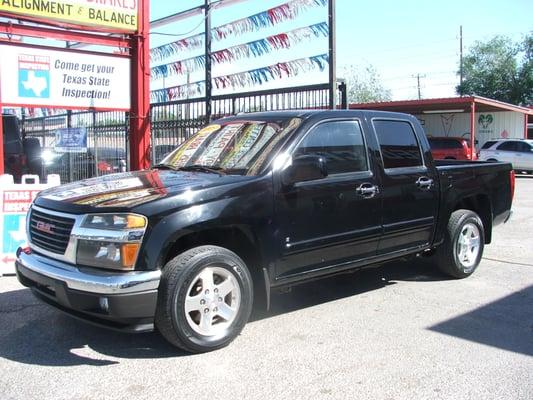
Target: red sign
[18,201]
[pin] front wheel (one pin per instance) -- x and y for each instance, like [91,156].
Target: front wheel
[205,299]
[462,249]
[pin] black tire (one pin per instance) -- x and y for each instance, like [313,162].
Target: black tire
[178,275]
[447,257]
[492,160]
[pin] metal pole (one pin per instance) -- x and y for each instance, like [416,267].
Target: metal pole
[140,85]
[473,126]
[332,56]
[70,163]
[461,55]
[208,83]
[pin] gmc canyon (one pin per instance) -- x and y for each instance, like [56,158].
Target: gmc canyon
[252,203]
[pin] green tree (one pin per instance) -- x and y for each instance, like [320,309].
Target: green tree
[364,84]
[499,69]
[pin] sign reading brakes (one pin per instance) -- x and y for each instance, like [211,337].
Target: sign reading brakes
[116,15]
[41,77]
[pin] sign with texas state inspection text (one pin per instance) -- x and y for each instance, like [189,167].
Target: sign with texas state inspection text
[113,15]
[14,204]
[31,76]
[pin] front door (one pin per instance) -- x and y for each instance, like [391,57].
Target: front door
[332,221]
[410,189]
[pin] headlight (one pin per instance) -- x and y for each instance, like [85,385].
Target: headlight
[110,240]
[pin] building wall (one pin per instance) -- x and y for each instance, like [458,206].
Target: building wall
[489,125]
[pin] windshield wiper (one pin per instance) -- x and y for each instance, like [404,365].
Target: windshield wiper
[165,166]
[203,168]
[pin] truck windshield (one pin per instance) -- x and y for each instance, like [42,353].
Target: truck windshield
[235,147]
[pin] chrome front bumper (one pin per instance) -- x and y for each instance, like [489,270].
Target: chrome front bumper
[89,279]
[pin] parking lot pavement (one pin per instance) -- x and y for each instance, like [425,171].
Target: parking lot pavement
[399,332]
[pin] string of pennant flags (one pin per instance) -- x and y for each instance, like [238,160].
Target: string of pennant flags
[284,12]
[256,48]
[243,79]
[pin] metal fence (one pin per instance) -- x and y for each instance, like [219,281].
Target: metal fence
[175,121]
[171,124]
[107,134]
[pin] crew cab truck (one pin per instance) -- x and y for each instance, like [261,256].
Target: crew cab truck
[252,203]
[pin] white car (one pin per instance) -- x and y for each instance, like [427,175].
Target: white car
[519,152]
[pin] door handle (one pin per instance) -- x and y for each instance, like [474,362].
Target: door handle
[367,190]
[424,183]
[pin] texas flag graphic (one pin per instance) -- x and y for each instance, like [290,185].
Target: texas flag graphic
[34,76]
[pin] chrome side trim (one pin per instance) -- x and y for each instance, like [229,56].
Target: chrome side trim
[89,279]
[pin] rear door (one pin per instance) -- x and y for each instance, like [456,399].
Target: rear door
[327,222]
[524,155]
[410,191]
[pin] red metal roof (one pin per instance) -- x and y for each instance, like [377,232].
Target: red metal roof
[483,104]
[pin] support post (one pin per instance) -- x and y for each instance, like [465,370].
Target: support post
[473,127]
[140,95]
[1,140]
[207,42]
[332,56]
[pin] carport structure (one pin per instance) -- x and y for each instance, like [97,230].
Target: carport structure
[460,116]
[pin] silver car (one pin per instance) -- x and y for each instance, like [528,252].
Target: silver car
[519,152]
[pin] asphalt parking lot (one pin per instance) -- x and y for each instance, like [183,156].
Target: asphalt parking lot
[400,332]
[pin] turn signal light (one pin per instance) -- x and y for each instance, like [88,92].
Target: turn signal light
[129,254]
[136,221]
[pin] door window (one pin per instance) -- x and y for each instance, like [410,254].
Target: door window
[508,146]
[398,143]
[340,143]
[523,147]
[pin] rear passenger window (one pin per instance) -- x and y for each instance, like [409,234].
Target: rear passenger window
[399,147]
[340,143]
[509,146]
[523,147]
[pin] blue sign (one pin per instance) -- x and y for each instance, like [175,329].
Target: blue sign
[14,233]
[71,140]
[34,83]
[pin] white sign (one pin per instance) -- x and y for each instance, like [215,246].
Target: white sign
[15,200]
[40,77]
[115,15]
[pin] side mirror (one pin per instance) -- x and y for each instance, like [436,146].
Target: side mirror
[304,168]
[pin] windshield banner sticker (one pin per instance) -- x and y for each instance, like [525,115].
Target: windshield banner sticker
[219,144]
[187,150]
[246,142]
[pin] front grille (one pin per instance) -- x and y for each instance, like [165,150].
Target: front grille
[50,232]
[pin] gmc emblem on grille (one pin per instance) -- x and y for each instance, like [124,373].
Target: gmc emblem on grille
[45,227]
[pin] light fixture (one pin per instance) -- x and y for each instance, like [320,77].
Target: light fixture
[457,110]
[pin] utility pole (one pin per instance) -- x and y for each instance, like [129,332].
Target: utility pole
[208,83]
[418,76]
[461,54]
[332,56]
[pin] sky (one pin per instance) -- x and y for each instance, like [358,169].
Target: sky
[399,38]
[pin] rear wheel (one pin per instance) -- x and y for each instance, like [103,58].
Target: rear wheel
[462,249]
[205,299]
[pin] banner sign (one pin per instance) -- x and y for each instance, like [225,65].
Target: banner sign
[71,140]
[40,77]
[15,201]
[114,15]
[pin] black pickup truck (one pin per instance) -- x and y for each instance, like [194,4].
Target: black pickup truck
[252,203]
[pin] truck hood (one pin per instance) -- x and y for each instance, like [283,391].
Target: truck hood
[126,191]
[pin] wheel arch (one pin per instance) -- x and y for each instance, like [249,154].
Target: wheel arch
[482,206]
[239,239]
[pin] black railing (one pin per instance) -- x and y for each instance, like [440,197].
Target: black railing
[107,134]
[175,121]
[171,124]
